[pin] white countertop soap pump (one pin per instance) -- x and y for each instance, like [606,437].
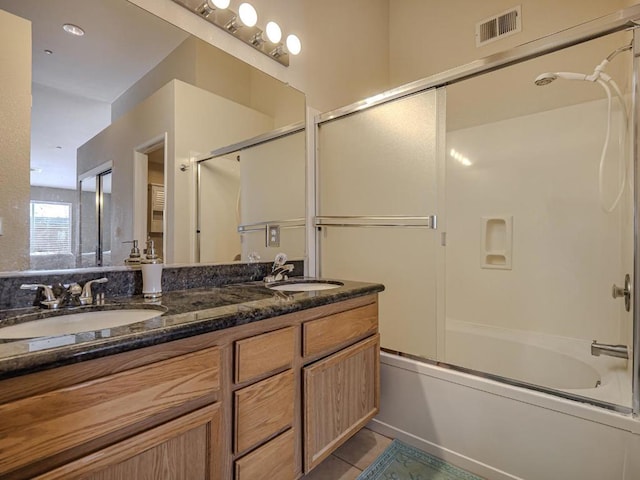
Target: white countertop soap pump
[151,273]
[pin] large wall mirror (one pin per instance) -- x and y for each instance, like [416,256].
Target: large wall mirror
[120,116]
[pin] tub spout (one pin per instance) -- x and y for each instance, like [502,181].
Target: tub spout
[619,351]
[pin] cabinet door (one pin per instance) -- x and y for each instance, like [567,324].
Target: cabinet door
[184,449]
[341,394]
[37,427]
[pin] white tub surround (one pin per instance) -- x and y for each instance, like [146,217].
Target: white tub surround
[503,432]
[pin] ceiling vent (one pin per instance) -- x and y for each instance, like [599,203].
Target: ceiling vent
[499,26]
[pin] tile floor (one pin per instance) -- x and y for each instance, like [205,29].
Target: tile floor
[352,458]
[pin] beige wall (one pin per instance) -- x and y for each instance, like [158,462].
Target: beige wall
[427,36]
[179,64]
[345,59]
[15,124]
[198,63]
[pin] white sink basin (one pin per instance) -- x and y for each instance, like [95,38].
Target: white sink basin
[305,286]
[77,322]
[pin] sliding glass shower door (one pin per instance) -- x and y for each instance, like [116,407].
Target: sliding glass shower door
[540,222]
[502,227]
[377,212]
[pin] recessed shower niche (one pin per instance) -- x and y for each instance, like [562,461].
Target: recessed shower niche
[497,234]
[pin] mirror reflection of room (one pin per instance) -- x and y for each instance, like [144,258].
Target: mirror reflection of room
[107,101]
[156,198]
[248,206]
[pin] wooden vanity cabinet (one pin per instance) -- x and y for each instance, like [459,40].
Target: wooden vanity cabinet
[342,390]
[266,406]
[266,400]
[115,416]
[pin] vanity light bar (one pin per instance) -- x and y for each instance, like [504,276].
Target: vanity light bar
[246,30]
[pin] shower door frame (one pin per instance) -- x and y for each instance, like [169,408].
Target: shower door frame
[625,19]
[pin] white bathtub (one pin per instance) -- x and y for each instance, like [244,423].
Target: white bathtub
[548,361]
[501,432]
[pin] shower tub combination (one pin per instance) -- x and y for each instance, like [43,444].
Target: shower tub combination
[502,431]
[510,403]
[498,421]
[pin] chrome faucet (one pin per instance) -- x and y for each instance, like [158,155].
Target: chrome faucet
[58,295]
[50,299]
[279,269]
[619,351]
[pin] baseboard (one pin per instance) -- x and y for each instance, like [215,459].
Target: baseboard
[462,461]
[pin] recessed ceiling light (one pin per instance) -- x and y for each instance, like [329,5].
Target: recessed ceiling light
[73,29]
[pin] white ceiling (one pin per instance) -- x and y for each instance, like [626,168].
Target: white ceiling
[73,88]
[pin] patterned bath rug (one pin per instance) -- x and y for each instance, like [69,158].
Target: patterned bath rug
[404,462]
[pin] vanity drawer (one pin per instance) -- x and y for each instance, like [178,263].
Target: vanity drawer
[263,409]
[326,334]
[273,460]
[34,428]
[263,354]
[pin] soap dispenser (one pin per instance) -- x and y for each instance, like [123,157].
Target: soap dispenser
[151,273]
[134,256]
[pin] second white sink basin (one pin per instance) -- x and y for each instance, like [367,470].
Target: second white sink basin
[303,286]
[77,322]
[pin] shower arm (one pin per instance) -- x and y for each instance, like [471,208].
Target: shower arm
[618,50]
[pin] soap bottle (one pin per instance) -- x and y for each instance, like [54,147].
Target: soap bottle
[151,273]
[134,256]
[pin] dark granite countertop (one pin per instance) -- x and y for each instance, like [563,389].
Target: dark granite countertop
[182,313]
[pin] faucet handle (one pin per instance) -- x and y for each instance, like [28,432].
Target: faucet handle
[280,260]
[87,295]
[48,292]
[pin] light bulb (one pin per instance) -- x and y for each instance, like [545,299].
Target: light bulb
[274,34]
[248,14]
[293,45]
[221,4]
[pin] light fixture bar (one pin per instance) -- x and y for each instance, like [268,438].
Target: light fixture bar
[232,23]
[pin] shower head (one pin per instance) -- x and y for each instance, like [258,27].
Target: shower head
[545,79]
[548,77]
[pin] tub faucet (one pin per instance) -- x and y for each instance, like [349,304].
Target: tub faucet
[619,351]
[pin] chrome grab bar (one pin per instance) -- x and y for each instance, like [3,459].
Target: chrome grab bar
[258,226]
[430,221]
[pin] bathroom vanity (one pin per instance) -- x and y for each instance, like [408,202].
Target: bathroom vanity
[260,384]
